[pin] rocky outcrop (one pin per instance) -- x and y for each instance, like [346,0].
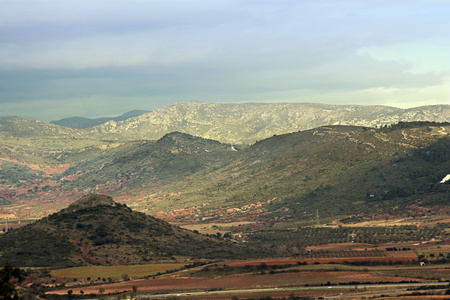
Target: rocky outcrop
[248,123]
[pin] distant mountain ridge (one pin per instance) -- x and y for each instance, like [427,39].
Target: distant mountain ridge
[248,123]
[82,123]
[229,123]
[25,128]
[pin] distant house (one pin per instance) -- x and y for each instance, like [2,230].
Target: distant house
[422,263]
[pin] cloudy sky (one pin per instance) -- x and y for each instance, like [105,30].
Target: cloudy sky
[62,58]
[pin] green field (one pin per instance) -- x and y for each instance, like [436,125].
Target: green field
[116,271]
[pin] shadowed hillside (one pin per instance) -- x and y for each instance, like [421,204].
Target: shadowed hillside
[97,230]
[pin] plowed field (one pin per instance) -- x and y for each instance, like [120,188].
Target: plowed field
[167,285]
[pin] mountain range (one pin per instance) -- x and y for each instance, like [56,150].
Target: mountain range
[340,170]
[248,123]
[343,171]
[248,167]
[81,122]
[228,123]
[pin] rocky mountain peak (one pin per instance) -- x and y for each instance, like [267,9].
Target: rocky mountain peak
[91,200]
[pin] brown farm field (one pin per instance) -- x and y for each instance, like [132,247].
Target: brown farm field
[343,265]
[278,273]
[337,257]
[134,271]
[441,273]
[182,284]
[322,268]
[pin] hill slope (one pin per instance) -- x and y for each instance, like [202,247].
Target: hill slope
[146,163]
[24,128]
[341,171]
[97,230]
[49,174]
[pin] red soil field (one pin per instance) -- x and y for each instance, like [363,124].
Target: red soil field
[338,257]
[169,285]
[59,169]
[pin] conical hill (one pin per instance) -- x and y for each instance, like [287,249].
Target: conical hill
[97,230]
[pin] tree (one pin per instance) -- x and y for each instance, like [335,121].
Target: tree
[125,277]
[7,282]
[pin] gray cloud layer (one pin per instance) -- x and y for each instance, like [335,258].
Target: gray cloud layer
[58,56]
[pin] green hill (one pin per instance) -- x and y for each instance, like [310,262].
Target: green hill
[97,230]
[23,128]
[342,171]
[144,163]
[50,173]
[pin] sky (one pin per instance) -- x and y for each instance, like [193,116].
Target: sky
[93,58]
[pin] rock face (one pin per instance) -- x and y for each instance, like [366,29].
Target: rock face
[91,200]
[248,123]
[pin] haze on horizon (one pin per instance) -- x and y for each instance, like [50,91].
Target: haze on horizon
[100,58]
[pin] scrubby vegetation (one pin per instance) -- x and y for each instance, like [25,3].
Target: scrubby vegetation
[311,236]
[287,177]
[110,235]
[412,124]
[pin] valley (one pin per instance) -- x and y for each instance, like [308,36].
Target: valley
[334,205]
[357,275]
[224,150]
[186,179]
